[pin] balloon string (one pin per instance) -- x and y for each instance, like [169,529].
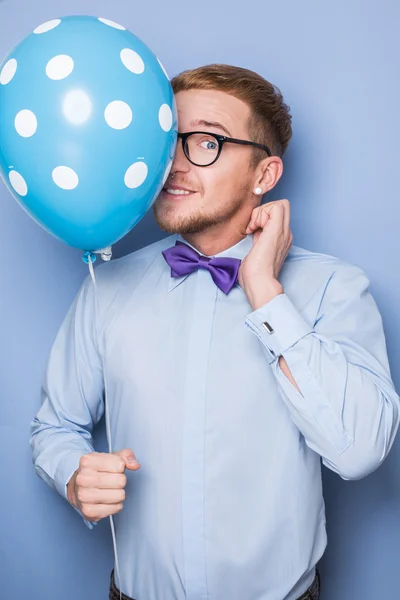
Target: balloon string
[108,427]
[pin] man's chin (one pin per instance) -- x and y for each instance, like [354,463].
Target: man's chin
[181,227]
[172,223]
[167,225]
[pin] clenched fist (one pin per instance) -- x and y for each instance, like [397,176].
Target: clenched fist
[97,488]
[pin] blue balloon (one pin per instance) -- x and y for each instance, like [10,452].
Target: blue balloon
[88,129]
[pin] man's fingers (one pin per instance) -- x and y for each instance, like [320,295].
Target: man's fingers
[110,481]
[99,461]
[286,206]
[95,512]
[277,211]
[274,211]
[276,214]
[250,226]
[100,480]
[262,219]
[130,459]
[97,496]
[258,216]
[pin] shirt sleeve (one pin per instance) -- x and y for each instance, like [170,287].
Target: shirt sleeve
[348,409]
[72,397]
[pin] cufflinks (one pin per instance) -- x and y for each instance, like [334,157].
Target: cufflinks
[268,327]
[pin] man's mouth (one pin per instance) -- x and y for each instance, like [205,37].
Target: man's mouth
[177,191]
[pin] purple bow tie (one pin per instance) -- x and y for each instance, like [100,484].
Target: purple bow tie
[184,260]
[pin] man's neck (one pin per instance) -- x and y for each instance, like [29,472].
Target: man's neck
[210,244]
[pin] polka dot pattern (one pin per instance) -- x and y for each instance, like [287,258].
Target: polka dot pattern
[65,178]
[111,24]
[25,123]
[118,114]
[165,117]
[48,26]
[59,67]
[8,71]
[18,183]
[77,107]
[132,61]
[86,119]
[136,175]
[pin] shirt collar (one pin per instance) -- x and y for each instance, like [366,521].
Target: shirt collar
[239,250]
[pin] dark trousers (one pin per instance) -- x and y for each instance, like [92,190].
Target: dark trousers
[311,594]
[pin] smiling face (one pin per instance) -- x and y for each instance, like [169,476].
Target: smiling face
[196,199]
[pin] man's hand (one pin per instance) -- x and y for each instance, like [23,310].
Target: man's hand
[97,488]
[272,239]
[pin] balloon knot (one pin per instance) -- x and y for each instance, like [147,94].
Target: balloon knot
[86,256]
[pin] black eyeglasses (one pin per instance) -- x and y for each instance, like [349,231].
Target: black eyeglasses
[203,148]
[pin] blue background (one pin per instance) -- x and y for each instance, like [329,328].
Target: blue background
[337,65]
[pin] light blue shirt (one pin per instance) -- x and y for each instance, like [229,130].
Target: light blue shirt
[228,501]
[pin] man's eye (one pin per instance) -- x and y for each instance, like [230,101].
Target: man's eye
[209,145]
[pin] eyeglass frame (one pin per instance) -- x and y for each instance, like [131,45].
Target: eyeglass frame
[221,139]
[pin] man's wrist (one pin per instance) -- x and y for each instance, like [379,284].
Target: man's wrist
[265,294]
[71,496]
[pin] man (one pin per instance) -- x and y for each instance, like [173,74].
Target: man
[234,362]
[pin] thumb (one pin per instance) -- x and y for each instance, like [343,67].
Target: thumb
[129,457]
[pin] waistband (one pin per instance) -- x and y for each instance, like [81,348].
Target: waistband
[311,594]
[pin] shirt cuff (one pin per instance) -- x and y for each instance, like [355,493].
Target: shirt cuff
[279,325]
[66,468]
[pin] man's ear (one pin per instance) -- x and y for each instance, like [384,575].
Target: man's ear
[268,173]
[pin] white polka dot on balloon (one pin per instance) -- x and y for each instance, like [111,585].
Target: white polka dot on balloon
[167,172]
[25,123]
[132,61]
[18,183]
[162,66]
[48,26]
[59,67]
[136,174]
[118,114]
[165,117]
[77,107]
[65,178]
[112,24]
[8,71]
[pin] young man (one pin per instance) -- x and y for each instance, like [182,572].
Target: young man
[234,362]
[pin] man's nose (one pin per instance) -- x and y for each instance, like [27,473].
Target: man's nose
[180,162]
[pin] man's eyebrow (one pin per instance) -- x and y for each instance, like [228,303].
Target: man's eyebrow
[209,124]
